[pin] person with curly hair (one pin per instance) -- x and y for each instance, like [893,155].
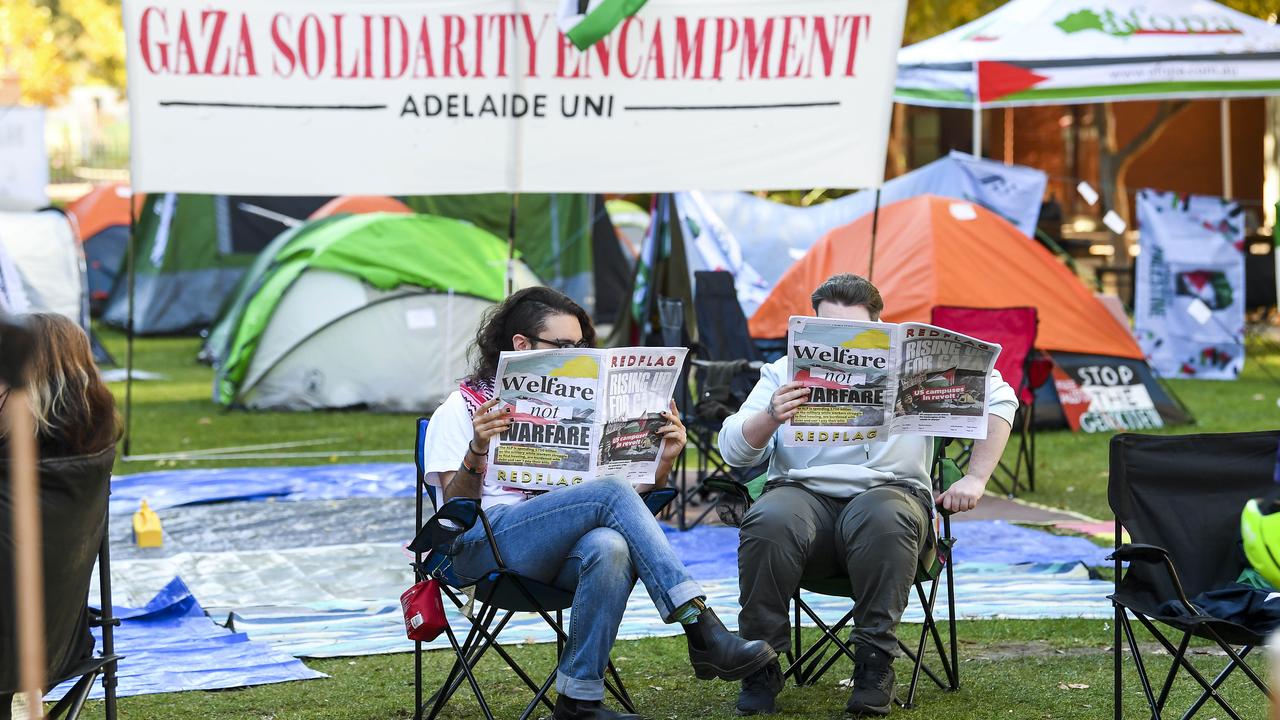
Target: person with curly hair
[594,538]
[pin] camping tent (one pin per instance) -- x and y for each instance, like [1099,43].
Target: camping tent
[102,223]
[631,223]
[43,250]
[560,236]
[359,204]
[1047,52]
[373,310]
[757,239]
[13,297]
[937,251]
[189,252]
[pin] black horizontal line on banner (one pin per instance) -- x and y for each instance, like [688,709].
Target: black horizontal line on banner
[261,106]
[762,106]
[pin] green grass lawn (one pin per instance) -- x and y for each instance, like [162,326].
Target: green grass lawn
[1010,669]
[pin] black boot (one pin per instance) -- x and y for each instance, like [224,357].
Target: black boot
[569,709]
[759,691]
[873,682]
[715,652]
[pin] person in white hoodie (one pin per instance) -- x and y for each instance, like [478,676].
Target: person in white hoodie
[864,510]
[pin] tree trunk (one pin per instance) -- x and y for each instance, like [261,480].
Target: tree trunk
[1114,161]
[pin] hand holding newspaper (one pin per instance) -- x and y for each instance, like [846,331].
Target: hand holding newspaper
[868,379]
[580,415]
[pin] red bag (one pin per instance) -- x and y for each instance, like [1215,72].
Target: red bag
[424,618]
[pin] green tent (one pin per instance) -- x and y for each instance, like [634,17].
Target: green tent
[189,252]
[373,310]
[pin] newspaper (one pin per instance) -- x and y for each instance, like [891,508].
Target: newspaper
[579,415]
[868,379]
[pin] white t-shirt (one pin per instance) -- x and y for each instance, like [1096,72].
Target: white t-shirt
[448,434]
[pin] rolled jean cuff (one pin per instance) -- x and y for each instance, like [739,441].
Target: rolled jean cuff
[679,595]
[579,689]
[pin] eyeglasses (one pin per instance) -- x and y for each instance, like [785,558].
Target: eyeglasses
[562,344]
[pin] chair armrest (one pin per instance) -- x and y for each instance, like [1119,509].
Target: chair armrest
[731,487]
[658,499]
[1139,552]
[452,520]
[1154,554]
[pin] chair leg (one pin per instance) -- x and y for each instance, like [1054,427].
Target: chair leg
[1173,673]
[1117,656]
[1182,661]
[1217,683]
[1141,667]
[71,703]
[831,635]
[417,680]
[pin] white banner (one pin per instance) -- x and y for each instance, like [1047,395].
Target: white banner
[462,96]
[1189,305]
[24,165]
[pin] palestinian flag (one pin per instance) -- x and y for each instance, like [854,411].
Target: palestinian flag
[586,21]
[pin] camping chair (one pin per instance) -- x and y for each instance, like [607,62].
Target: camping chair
[498,596]
[1019,364]
[74,515]
[1180,497]
[726,365]
[808,665]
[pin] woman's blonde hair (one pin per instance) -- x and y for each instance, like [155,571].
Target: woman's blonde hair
[74,411]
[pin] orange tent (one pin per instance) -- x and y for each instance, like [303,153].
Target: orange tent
[103,207]
[359,204]
[938,251]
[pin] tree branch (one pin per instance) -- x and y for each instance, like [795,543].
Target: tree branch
[1148,134]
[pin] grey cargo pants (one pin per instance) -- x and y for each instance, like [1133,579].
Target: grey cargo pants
[877,539]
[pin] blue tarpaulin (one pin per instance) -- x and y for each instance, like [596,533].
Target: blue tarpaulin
[171,488]
[712,552]
[170,645]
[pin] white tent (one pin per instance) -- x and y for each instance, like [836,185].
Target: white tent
[43,250]
[1051,52]
[13,298]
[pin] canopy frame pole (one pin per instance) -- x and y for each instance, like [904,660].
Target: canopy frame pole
[875,226]
[977,129]
[1224,115]
[517,163]
[130,275]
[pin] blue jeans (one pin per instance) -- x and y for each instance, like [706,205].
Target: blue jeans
[593,539]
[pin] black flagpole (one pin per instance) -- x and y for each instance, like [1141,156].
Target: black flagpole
[875,223]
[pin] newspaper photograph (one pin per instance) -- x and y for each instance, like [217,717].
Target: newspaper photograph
[869,379]
[579,415]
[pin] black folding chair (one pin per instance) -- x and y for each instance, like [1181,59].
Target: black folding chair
[808,665]
[726,365]
[74,517]
[1180,499]
[498,595]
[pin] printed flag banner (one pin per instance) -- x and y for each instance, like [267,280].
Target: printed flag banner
[391,97]
[585,22]
[1189,301]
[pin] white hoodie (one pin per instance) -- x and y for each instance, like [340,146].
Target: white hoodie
[847,470]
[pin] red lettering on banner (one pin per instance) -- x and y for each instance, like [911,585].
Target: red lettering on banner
[422,54]
[244,50]
[282,45]
[479,35]
[564,50]
[502,41]
[531,42]
[624,34]
[824,43]
[755,46]
[403,55]
[144,40]
[656,58]
[855,22]
[789,47]
[721,47]
[219,19]
[687,49]
[368,46]
[337,50]
[318,65]
[185,48]
[453,45]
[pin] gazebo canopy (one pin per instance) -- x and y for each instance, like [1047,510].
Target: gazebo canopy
[1045,52]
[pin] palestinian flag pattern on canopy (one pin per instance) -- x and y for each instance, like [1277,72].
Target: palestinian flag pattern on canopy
[586,21]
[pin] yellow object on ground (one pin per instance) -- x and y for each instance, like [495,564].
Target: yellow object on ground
[146,527]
